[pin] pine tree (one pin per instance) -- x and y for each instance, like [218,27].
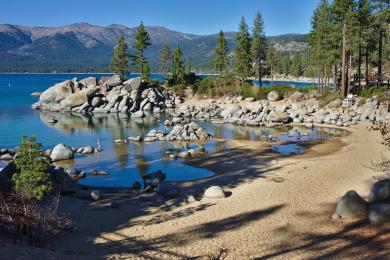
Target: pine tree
[189,65]
[271,59]
[242,52]
[258,47]
[178,66]
[221,54]
[119,62]
[165,59]
[142,42]
[341,10]
[31,180]
[381,15]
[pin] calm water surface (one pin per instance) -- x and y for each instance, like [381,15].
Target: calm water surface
[126,163]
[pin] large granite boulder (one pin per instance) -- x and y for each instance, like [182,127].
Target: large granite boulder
[380,191]
[89,82]
[278,117]
[61,152]
[351,205]
[378,213]
[78,98]
[296,96]
[57,93]
[230,110]
[133,84]
[273,96]
[113,81]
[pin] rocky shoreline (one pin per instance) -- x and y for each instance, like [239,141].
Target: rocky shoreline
[137,98]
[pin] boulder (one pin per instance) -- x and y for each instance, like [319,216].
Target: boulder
[6,157]
[278,117]
[61,152]
[88,149]
[297,96]
[57,93]
[380,191]
[136,185]
[378,213]
[89,82]
[113,81]
[78,98]
[132,84]
[230,110]
[214,192]
[138,114]
[273,96]
[351,205]
[96,195]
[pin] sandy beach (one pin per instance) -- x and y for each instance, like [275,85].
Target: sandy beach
[278,207]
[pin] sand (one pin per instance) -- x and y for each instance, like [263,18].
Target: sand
[277,208]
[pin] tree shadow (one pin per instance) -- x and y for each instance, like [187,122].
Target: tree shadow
[357,239]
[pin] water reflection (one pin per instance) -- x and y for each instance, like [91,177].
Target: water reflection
[128,162]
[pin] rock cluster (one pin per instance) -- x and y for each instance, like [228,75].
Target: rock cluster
[8,154]
[63,152]
[106,96]
[297,110]
[377,209]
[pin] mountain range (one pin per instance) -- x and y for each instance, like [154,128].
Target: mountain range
[82,47]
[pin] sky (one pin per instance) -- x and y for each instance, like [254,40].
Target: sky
[195,16]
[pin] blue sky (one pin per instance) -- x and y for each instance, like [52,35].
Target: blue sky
[196,16]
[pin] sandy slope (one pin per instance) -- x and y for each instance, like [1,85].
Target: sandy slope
[277,208]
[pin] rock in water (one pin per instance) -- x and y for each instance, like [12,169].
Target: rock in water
[273,96]
[378,213]
[96,195]
[380,191]
[214,192]
[351,205]
[61,152]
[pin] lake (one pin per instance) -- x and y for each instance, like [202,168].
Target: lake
[126,163]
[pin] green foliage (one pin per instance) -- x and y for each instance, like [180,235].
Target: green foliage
[221,53]
[142,41]
[258,45]
[242,65]
[31,180]
[119,62]
[165,59]
[383,94]
[178,69]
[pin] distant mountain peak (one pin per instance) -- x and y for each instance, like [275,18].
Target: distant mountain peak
[87,47]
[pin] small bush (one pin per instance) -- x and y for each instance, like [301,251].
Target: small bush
[20,219]
[31,180]
[373,91]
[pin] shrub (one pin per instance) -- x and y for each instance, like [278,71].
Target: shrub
[31,180]
[373,91]
[26,219]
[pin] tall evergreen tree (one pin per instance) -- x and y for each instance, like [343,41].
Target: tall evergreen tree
[119,62]
[221,54]
[258,47]
[341,10]
[165,59]
[242,52]
[142,41]
[178,69]
[271,59]
[381,15]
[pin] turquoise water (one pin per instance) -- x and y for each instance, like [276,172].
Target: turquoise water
[290,83]
[125,163]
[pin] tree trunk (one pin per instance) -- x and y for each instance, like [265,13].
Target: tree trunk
[366,69]
[380,58]
[335,86]
[360,66]
[349,72]
[343,63]
[319,82]
[259,71]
